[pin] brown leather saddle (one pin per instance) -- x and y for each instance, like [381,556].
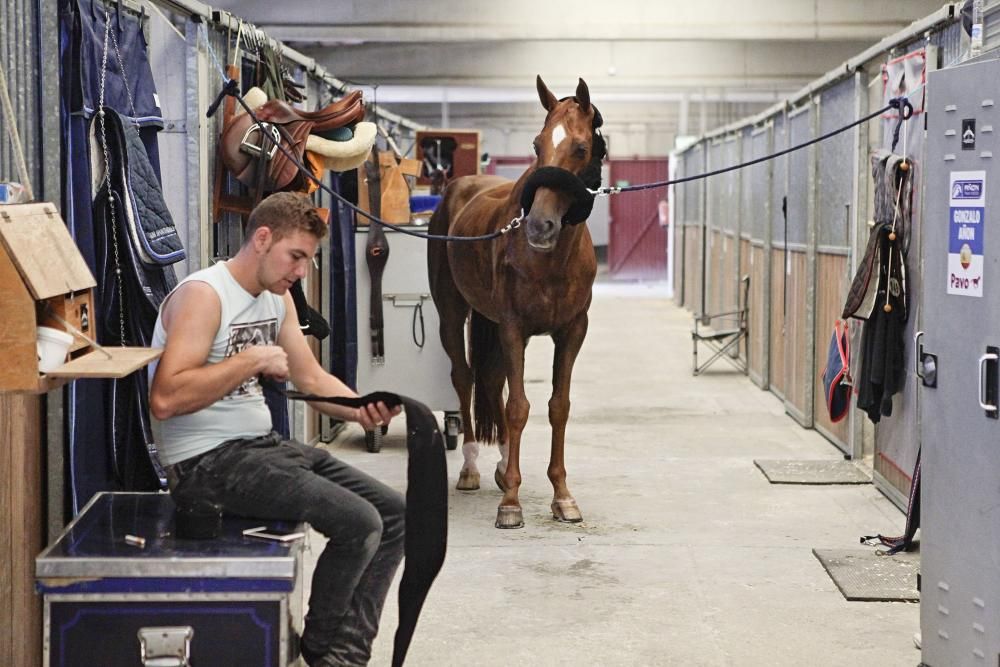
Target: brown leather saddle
[250,149]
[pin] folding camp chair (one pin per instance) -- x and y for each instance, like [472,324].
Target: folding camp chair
[722,332]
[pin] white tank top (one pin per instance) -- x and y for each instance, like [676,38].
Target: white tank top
[246,320]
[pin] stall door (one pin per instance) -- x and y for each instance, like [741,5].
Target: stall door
[637,239]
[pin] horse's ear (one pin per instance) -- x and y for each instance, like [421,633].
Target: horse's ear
[548,100]
[583,95]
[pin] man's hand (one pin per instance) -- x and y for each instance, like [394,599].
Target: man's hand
[270,360]
[374,415]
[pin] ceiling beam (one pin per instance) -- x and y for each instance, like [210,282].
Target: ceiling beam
[432,94]
[625,66]
[362,33]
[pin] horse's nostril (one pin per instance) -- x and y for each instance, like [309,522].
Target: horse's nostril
[549,225]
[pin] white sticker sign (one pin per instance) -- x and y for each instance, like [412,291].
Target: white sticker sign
[966,224]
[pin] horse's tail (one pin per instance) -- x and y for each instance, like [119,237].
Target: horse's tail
[486,359]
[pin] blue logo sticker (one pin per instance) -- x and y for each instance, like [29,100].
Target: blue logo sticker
[967,189]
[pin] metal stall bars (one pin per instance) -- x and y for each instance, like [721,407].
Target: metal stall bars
[727,302]
[835,218]
[778,252]
[678,201]
[796,223]
[797,386]
[715,215]
[694,232]
[757,231]
[897,438]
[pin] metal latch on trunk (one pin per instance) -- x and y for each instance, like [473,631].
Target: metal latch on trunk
[165,646]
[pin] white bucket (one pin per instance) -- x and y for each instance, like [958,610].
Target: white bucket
[53,345]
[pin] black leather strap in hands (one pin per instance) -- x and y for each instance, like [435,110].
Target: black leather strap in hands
[426,505]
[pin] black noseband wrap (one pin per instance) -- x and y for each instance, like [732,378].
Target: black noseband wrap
[556,178]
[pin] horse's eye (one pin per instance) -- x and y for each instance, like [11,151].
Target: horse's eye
[581,151]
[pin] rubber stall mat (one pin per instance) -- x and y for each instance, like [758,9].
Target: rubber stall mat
[867,575]
[821,471]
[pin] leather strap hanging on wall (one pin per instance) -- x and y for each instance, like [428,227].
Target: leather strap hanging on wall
[376,256]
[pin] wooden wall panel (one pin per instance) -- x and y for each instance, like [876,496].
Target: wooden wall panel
[7,638]
[831,289]
[758,292]
[677,249]
[729,273]
[796,391]
[744,270]
[22,528]
[778,343]
[715,272]
[692,269]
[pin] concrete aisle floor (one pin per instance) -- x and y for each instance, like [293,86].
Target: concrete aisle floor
[687,556]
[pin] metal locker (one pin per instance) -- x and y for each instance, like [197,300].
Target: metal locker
[958,356]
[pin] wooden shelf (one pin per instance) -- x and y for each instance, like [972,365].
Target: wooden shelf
[94,365]
[123,361]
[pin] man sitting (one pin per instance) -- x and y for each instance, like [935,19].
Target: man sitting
[222,329]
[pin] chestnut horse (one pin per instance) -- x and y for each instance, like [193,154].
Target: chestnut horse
[535,279]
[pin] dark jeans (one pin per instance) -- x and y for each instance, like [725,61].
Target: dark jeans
[271,478]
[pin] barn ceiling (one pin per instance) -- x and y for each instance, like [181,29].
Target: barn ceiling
[681,66]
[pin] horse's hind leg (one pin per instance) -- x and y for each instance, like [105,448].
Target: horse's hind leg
[567,345]
[453,311]
[453,341]
[494,378]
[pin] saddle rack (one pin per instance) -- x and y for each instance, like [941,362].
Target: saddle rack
[723,332]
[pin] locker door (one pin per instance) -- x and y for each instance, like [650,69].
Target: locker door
[960,549]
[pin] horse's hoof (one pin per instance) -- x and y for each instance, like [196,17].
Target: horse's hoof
[498,478]
[509,516]
[468,481]
[566,510]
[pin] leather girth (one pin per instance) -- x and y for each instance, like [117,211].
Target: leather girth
[426,538]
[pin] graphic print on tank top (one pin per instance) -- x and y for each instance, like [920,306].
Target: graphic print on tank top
[244,335]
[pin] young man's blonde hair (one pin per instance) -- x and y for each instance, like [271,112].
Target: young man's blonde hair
[284,213]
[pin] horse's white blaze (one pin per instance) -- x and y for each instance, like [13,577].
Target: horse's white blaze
[558,134]
[470,451]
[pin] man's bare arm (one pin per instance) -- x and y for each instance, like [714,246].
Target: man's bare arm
[184,381]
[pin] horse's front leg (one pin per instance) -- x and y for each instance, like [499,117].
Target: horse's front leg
[509,514]
[568,341]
